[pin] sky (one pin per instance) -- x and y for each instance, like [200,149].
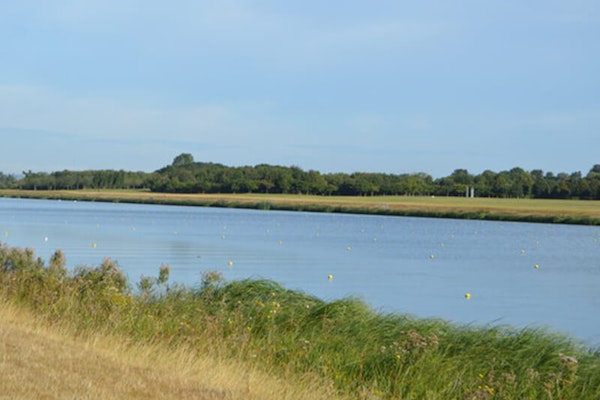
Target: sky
[334,86]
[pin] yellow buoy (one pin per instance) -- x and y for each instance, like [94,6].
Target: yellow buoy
[432,256]
[94,245]
[348,248]
[6,233]
[536,266]
[230,263]
[330,277]
[468,296]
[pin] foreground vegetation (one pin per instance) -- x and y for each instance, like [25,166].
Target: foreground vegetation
[42,360]
[526,210]
[288,334]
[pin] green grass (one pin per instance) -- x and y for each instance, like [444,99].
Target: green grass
[359,352]
[526,210]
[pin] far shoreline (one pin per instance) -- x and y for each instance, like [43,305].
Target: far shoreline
[575,212]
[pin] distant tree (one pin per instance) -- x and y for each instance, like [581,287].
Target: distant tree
[502,184]
[462,180]
[462,176]
[182,160]
[411,185]
[563,190]
[540,189]
[594,185]
[317,184]
[484,183]
[594,172]
[6,180]
[185,175]
[521,183]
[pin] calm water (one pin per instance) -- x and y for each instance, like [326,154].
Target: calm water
[419,266]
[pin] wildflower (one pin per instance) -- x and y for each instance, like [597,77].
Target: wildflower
[305,343]
[567,359]
[275,307]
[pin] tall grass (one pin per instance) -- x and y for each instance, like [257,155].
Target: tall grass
[355,350]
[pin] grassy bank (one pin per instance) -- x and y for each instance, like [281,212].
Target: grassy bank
[42,360]
[352,350]
[526,210]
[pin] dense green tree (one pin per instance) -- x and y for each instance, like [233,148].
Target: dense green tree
[595,171]
[186,176]
[182,160]
[317,184]
[484,183]
[522,183]
[502,185]
[540,188]
[7,181]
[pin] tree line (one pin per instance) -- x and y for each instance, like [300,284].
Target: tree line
[185,175]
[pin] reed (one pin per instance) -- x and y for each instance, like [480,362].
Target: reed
[353,350]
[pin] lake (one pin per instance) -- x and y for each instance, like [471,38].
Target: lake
[516,273]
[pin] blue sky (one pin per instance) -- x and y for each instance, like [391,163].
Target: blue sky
[336,86]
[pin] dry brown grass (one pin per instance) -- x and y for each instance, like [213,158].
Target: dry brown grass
[42,362]
[482,208]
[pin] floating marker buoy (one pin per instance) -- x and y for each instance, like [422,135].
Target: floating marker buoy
[536,266]
[432,256]
[468,296]
[348,248]
[330,277]
[94,245]
[230,263]
[280,242]
[6,233]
